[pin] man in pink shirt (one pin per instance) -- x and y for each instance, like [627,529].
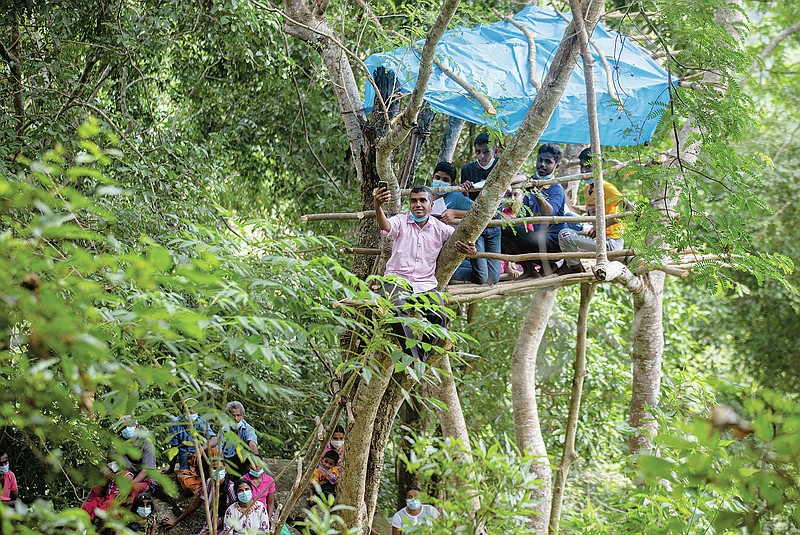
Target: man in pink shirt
[417,240]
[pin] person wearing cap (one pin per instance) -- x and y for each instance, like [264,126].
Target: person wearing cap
[236,456]
[142,464]
[186,438]
[454,205]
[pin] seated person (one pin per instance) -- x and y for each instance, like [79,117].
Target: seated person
[9,492]
[454,205]
[237,457]
[145,516]
[102,497]
[545,201]
[326,476]
[186,442]
[246,515]
[414,513]
[572,240]
[142,463]
[417,241]
[219,479]
[485,159]
[336,444]
[263,485]
[510,208]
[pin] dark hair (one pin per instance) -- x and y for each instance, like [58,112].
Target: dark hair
[413,487]
[586,154]
[332,455]
[482,139]
[3,452]
[552,148]
[244,481]
[338,429]
[140,499]
[423,189]
[448,168]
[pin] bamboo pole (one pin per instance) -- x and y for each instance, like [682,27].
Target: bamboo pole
[534,220]
[569,454]
[549,256]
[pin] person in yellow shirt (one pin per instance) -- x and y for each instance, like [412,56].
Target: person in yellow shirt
[571,240]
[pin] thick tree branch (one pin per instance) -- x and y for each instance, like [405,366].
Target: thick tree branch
[521,145]
[778,39]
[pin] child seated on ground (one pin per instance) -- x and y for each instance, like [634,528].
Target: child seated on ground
[326,475]
[145,519]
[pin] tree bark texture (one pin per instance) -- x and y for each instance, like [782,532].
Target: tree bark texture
[450,139]
[351,490]
[648,350]
[522,144]
[415,145]
[527,428]
[569,454]
[648,331]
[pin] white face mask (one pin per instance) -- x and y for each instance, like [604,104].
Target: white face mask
[240,424]
[337,444]
[488,165]
[194,416]
[219,475]
[4,468]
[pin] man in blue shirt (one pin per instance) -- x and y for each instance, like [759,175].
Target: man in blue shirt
[237,453]
[543,201]
[454,205]
[186,439]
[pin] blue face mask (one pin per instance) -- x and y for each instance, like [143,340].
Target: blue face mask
[4,468]
[418,219]
[144,512]
[589,181]
[256,474]
[245,496]
[548,177]
[413,503]
[439,184]
[128,432]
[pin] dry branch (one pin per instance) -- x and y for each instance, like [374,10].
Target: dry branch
[474,93]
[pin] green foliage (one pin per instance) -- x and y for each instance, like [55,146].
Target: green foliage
[95,328]
[494,472]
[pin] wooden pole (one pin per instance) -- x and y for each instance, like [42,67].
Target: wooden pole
[534,220]
[569,454]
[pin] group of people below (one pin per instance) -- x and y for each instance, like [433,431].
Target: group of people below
[419,235]
[235,478]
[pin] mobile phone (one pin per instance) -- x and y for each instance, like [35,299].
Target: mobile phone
[383,184]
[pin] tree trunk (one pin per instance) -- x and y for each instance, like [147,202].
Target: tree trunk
[351,489]
[450,139]
[527,428]
[419,135]
[648,331]
[412,420]
[452,419]
[648,350]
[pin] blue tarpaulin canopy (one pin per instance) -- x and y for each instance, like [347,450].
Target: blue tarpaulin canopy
[493,58]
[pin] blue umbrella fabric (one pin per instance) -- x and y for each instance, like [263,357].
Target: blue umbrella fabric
[493,58]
